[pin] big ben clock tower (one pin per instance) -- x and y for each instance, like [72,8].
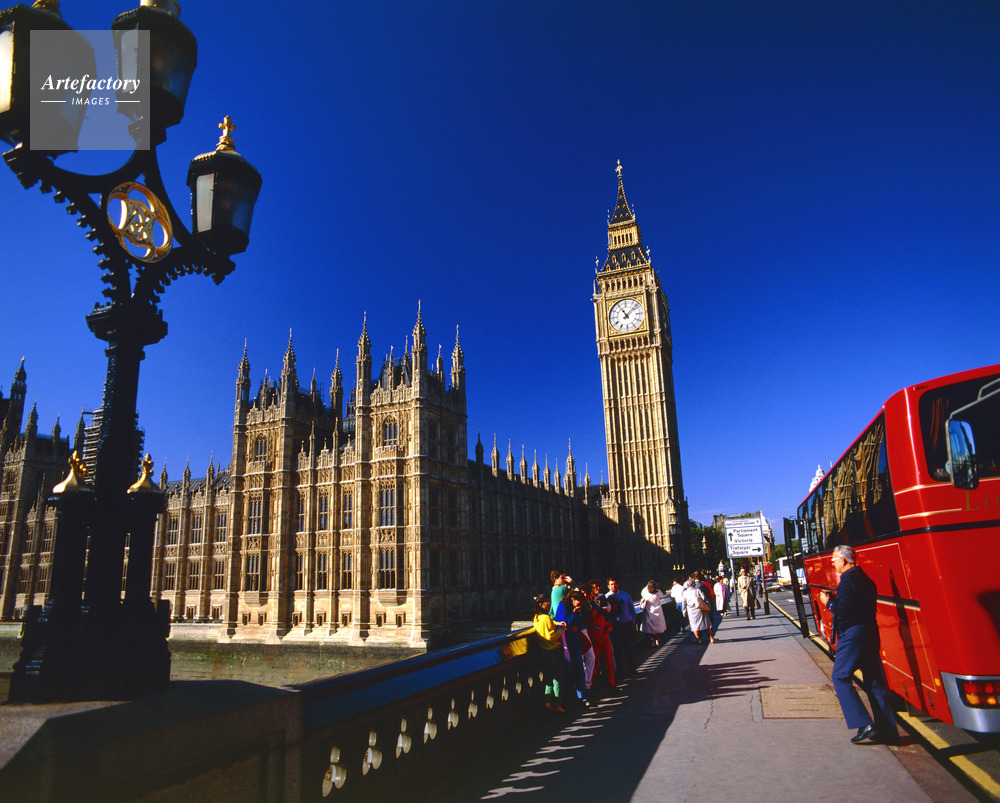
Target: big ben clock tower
[640,415]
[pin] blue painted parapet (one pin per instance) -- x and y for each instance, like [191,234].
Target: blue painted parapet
[374,732]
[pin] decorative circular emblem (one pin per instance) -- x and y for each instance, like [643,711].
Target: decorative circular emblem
[141,221]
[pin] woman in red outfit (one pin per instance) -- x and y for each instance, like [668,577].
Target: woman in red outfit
[599,628]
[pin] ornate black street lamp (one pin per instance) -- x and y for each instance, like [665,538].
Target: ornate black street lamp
[105,648]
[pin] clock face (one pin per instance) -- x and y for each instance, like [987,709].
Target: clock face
[626,315]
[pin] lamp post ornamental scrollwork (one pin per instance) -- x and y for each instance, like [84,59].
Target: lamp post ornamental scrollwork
[101,646]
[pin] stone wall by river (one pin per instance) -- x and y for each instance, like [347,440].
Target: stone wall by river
[195,655]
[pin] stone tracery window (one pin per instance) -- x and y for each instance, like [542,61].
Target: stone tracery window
[347,571]
[255,515]
[260,448]
[348,511]
[321,571]
[387,507]
[324,513]
[221,527]
[251,581]
[387,568]
[390,432]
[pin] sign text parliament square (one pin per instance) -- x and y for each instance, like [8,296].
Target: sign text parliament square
[744,537]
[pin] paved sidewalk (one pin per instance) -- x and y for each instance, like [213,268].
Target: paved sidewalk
[755,712]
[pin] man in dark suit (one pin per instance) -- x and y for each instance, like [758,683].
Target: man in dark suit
[853,608]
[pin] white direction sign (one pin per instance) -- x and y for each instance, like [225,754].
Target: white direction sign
[744,537]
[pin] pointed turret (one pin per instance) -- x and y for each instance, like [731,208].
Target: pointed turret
[242,408]
[479,449]
[523,465]
[243,381]
[11,426]
[80,436]
[495,456]
[440,364]
[419,346]
[625,249]
[364,365]
[20,386]
[31,430]
[534,468]
[289,378]
[337,390]
[570,470]
[457,365]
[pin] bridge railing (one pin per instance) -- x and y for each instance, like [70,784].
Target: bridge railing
[363,736]
[372,732]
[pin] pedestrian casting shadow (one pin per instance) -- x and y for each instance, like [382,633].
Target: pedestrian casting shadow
[602,752]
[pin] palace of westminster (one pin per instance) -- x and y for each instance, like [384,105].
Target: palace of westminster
[360,519]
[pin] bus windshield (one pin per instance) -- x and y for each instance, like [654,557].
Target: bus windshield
[937,405]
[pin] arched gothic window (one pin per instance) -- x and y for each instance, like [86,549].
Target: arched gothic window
[260,448]
[390,432]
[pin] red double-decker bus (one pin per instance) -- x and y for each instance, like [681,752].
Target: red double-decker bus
[918,497]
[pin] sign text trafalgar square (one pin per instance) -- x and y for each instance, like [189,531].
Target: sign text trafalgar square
[744,537]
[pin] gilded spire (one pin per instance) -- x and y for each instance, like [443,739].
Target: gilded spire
[625,249]
[623,212]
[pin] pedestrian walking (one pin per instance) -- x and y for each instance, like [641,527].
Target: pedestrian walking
[654,624]
[853,608]
[744,587]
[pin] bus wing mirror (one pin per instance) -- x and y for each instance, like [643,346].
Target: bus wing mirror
[962,454]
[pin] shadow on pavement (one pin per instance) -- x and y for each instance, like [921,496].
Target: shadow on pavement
[601,752]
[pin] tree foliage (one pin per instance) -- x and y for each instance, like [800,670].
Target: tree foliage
[707,547]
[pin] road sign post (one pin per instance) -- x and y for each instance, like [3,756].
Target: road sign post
[745,539]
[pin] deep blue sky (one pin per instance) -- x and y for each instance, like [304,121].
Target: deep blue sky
[817,182]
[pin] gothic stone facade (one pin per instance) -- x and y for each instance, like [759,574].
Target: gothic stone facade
[30,465]
[363,520]
[368,523]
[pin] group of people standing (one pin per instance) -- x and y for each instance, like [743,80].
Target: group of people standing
[587,633]
[587,636]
